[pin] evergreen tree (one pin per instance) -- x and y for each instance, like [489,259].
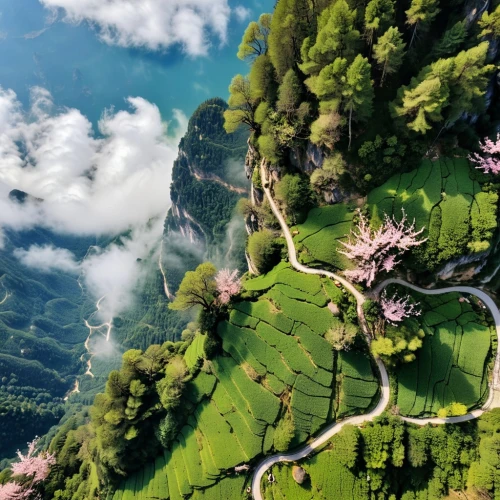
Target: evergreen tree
[490,24]
[358,91]
[378,17]
[451,41]
[422,102]
[289,26]
[261,78]
[328,84]
[254,41]
[420,15]
[337,37]
[389,52]
[469,80]
[289,94]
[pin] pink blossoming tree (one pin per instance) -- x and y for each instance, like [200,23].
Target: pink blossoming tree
[375,250]
[35,468]
[228,284]
[489,160]
[395,309]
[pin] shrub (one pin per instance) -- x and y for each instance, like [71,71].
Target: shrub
[284,433]
[264,250]
[341,335]
[295,193]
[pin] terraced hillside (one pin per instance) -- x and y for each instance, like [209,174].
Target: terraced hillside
[275,364]
[317,238]
[452,364]
[445,197]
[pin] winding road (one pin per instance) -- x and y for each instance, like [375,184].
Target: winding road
[492,402]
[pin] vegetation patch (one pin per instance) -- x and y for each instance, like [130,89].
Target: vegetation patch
[317,239]
[451,366]
[445,197]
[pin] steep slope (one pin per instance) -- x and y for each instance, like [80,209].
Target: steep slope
[207,181]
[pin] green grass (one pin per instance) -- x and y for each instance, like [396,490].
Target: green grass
[451,366]
[195,351]
[358,385]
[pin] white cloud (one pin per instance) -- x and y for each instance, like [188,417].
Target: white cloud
[242,13]
[48,258]
[88,185]
[116,271]
[153,24]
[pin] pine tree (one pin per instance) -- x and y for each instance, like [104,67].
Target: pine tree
[358,91]
[328,84]
[469,79]
[451,41]
[254,42]
[262,79]
[289,93]
[389,52]
[490,24]
[378,17]
[337,37]
[420,15]
[289,26]
[423,101]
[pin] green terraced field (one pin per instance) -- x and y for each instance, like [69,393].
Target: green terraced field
[358,385]
[317,238]
[451,366]
[273,352]
[444,197]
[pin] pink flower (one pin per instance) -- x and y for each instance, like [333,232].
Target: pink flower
[14,491]
[228,284]
[396,309]
[488,163]
[377,250]
[37,467]
[34,468]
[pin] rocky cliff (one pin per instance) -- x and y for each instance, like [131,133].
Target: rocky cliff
[208,179]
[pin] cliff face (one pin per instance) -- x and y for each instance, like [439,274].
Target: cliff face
[208,179]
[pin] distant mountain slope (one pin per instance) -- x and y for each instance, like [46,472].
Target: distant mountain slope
[43,336]
[207,181]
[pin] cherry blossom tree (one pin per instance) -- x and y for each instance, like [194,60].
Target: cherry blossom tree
[489,160]
[228,284]
[395,309]
[35,468]
[13,491]
[375,250]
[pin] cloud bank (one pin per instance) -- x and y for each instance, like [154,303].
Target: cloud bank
[152,24]
[88,185]
[82,184]
[48,258]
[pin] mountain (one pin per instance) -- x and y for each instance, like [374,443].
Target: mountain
[339,347]
[207,181]
[45,347]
